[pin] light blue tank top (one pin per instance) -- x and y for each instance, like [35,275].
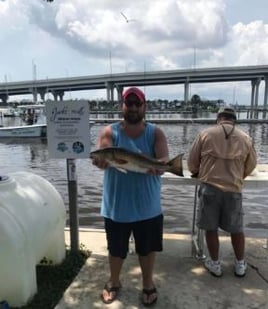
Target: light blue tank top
[132,196]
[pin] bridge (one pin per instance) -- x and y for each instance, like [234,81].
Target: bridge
[111,82]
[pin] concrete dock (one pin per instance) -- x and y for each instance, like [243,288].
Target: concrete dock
[180,278]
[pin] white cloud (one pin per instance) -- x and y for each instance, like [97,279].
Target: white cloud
[251,43]
[154,26]
[84,37]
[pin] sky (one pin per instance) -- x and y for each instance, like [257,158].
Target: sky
[68,38]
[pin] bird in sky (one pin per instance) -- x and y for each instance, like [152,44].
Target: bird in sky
[126,19]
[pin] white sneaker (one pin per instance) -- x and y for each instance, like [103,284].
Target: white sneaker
[214,267]
[240,268]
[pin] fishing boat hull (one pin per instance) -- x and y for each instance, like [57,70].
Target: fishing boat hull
[36,130]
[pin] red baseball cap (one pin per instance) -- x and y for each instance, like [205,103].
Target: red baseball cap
[136,91]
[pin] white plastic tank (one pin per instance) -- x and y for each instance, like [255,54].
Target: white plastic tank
[32,221]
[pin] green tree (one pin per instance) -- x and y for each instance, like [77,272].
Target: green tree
[195,100]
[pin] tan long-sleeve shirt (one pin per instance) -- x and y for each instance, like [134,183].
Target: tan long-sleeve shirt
[222,155]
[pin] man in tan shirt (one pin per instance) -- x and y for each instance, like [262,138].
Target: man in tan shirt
[221,157]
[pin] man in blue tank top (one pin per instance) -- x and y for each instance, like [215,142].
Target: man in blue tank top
[131,201]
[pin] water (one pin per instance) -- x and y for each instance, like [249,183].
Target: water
[32,155]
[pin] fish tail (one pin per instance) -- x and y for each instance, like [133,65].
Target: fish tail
[175,165]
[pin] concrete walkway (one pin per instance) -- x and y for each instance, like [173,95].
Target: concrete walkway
[181,280]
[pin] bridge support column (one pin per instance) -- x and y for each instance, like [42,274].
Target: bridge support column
[34,91]
[42,92]
[265,97]
[186,91]
[252,98]
[58,94]
[4,98]
[110,92]
[257,86]
[55,95]
[255,83]
[119,93]
[61,95]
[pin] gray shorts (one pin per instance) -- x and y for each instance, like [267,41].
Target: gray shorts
[218,209]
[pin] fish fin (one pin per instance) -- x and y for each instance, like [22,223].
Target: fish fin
[121,170]
[175,165]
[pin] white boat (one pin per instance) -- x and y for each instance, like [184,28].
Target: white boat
[35,130]
[32,114]
[8,112]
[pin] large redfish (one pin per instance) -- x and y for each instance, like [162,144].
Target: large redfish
[125,160]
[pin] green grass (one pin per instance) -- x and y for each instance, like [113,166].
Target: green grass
[53,280]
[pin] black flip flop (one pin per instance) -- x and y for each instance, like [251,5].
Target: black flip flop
[149,292]
[110,289]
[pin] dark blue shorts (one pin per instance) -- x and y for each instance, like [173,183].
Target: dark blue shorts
[147,234]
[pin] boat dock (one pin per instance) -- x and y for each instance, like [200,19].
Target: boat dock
[178,120]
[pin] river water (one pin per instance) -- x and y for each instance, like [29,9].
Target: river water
[32,155]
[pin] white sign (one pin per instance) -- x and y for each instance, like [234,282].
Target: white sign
[68,129]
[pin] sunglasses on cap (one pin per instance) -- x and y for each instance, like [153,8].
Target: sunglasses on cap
[130,103]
